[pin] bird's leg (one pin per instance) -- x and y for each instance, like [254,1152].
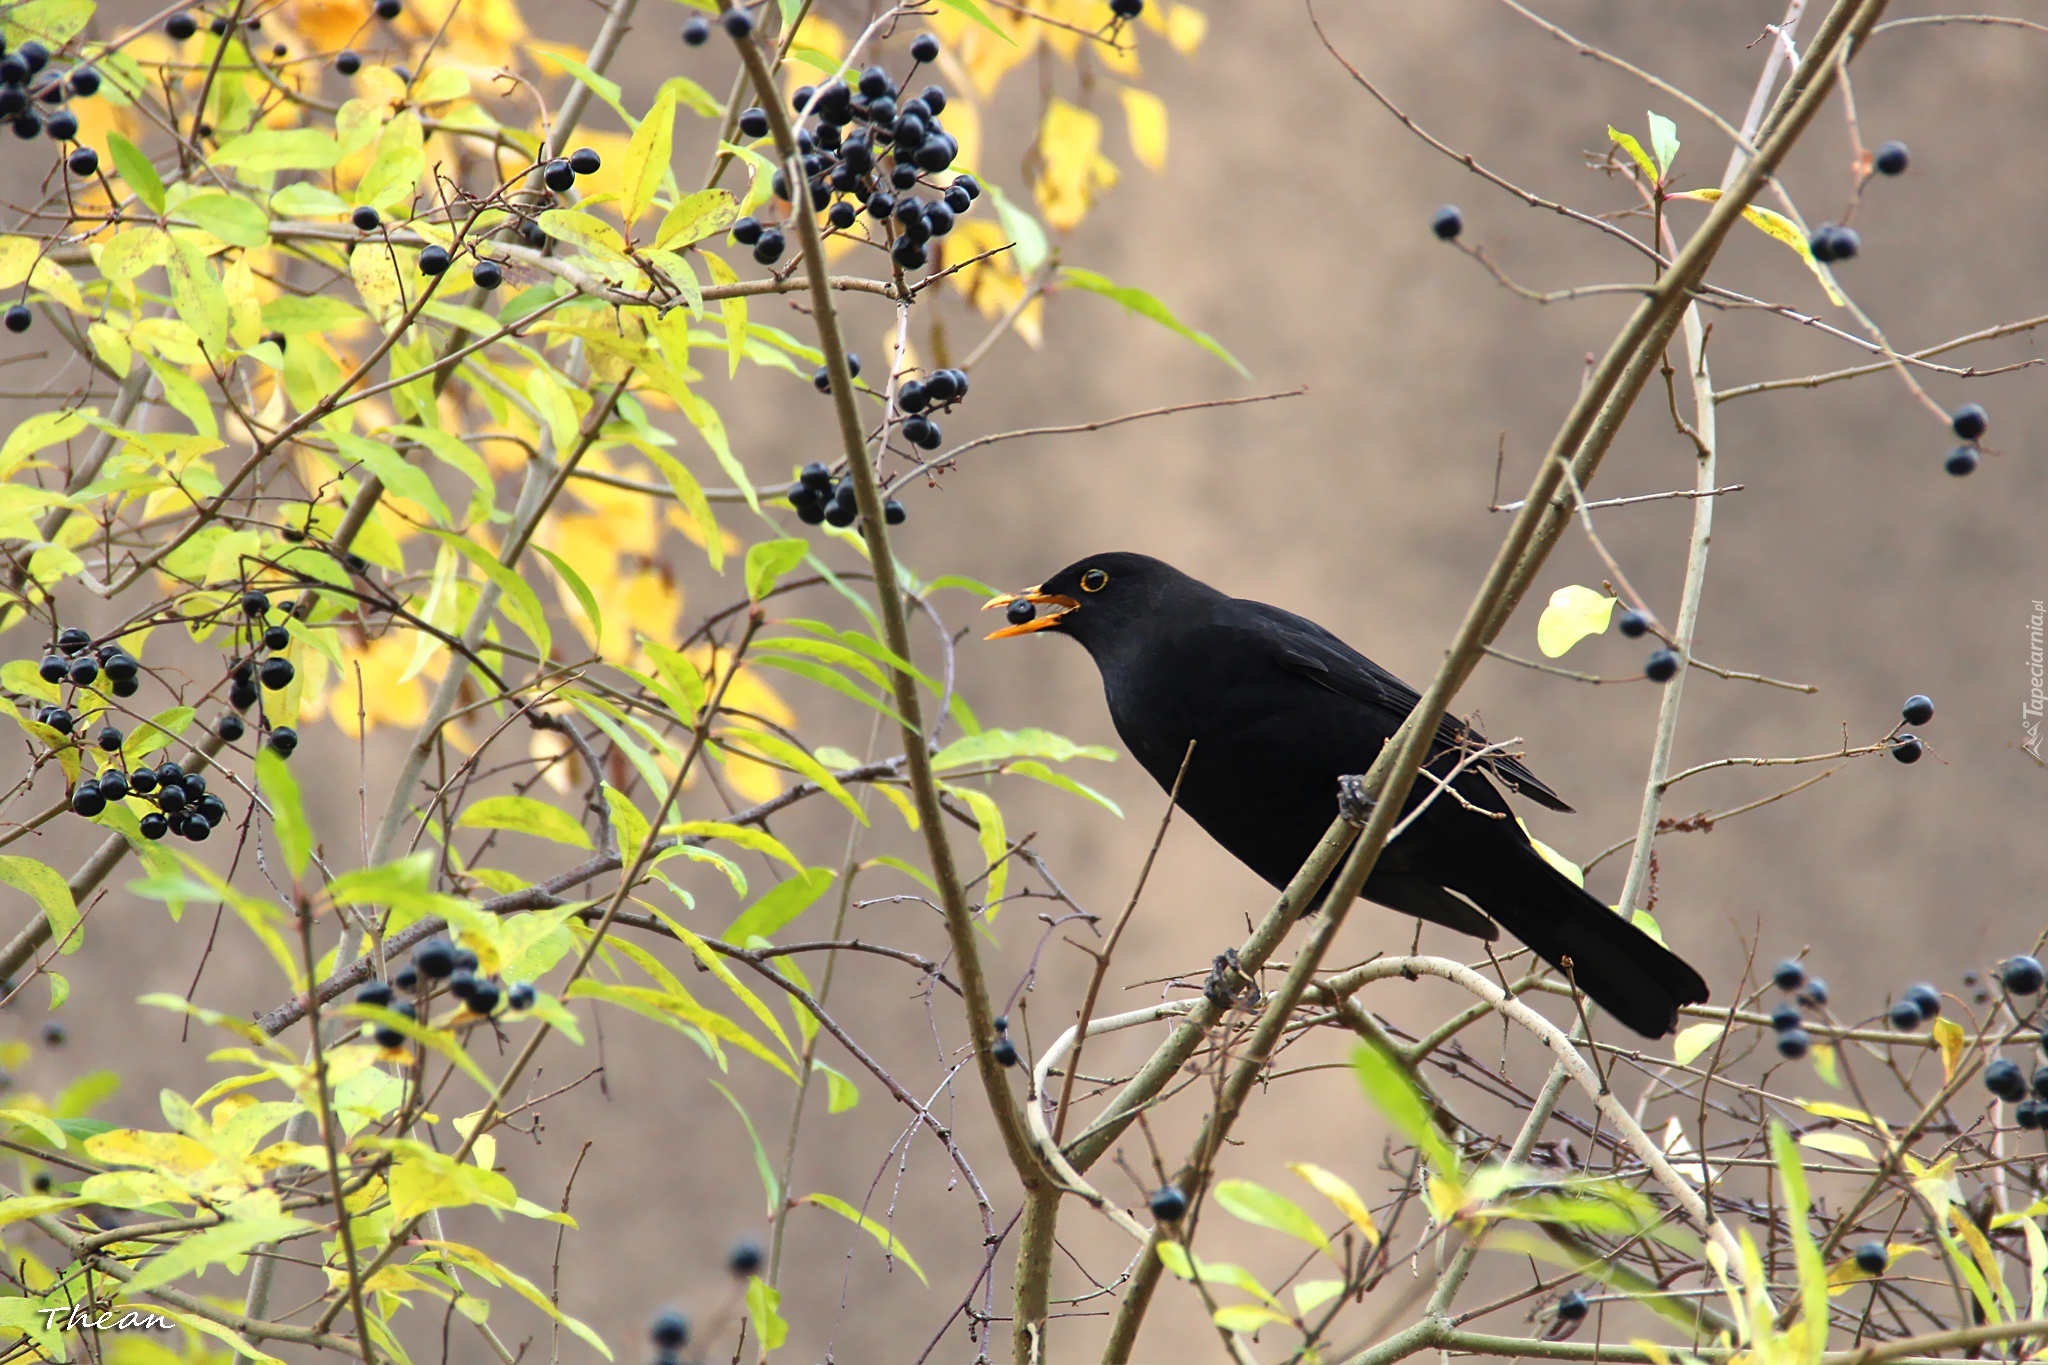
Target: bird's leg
[1354,802]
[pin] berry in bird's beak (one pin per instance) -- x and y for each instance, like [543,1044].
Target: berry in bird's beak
[1022,610]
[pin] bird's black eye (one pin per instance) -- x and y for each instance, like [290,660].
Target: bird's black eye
[1095,580]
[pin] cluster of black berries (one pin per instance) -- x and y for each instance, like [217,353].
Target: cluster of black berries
[817,498]
[1004,1051]
[252,678]
[1786,1021]
[1916,1005]
[1918,710]
[1662,665]
[183,804]
[1832,242]
[438,959]
[26,83]
[869,146]
[70,662]
[2021,976]
[1969,422]
[559,174]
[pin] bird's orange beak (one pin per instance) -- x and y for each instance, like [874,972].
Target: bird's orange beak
[1036,598]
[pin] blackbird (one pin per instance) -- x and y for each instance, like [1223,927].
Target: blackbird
[1279,709]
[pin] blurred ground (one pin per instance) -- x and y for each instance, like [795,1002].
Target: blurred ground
[1291,224]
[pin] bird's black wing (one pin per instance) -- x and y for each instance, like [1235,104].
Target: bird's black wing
[1302,647]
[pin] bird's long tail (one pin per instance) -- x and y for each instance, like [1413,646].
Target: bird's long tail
[1625,971]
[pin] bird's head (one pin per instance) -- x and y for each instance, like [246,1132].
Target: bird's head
[1094,600]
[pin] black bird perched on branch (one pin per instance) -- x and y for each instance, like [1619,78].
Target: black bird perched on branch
[1279,709]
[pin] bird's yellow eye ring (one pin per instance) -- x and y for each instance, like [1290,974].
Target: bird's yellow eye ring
[1095,580]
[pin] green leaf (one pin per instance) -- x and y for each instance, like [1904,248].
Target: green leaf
[881,1234]
[779,905]
[996,746]
[764,1304]
[584,597]
[1395,1095]
[976,13]
[1146,306]
[841,1093]
[278,149]
[405,479]
[46,886]
[1664,141]
[229,217]
[525,815]
[761,1163]
[779,750]
[134,168]
[1021,228]
[1694,1039]
[1813,1272]
[993,838]
[520,601]
[1248,1317]
[280,788]
[1254,1203]
[56,22]
[769,561]
[1574,613]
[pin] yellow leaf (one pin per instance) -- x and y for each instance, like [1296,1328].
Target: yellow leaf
[375,271]
[1785,230]
[1841,1144]
[647,156]
[1574,613]
[1949,1035]
[1072,168]
[1145,114]
[1186,26]
[1339,1191]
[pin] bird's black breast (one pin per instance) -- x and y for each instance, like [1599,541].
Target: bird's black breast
[1269,741]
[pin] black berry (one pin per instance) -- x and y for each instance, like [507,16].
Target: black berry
[520,996]
[406,978]
[754,122]
[53,668]
[155,826]
[585,161]
[71,639]
[60,720]
[696,31]
[745,1259]
[924,48]
[1961,461]
[87,799]
[2039,1083]
[2004,1079]
[347,62]
[1904,1016]
[1969,421]
[1005,1052]
[1020,612]
[1892,159]
[875,83]
[180,26]
[769,249]
[1661,667]
[109,740]
[1447,222]
[1785,1018]
[1168,1204]
[1872,1258]
[1572,1307]
[283,740]
[1918,710]
[484,998]
[1789,975]
[2021,975]
[276,674]
[84,161]
[1925,998]
[1908,748]
[365,219]
[841,215]
[114,784]
[1793,1044]
[388,9]
[434,959]
[229,727]
[558,175]
[376,993]
[2028,1115]
[487,275]
[85,81]
[893,513]
[18,318]
[61,126]
[670,1330]
[738,23]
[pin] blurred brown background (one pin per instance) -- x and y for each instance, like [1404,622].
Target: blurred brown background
[1291,223]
